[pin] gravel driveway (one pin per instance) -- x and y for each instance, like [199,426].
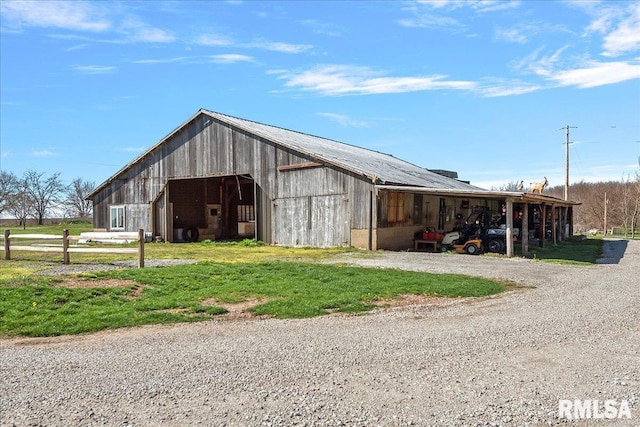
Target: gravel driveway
[568,333]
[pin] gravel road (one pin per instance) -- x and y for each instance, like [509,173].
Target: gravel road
[568,332]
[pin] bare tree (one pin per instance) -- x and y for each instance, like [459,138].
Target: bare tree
[77,205]
[21,205]
[43,192]
[509,186]
[8,189]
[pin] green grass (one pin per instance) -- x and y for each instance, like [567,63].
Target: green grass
[34,306]
[282,282]
[74,227]
[580,252]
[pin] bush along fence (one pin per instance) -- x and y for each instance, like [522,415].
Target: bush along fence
[83,238]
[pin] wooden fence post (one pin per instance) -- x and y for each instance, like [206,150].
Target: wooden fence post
[7,250]
[65,246]
[141,248]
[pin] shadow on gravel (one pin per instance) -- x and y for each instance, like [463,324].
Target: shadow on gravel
[612,251]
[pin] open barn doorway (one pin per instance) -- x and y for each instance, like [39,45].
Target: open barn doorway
[212,208]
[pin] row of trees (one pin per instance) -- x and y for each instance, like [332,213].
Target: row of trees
[37,195]
[622,199]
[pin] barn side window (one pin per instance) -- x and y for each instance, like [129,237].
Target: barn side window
[417,209]
[246,213]
[117,217]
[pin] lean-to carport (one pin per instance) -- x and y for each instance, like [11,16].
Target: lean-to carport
[558,212]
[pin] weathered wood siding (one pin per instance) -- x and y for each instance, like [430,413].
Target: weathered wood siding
[314,206]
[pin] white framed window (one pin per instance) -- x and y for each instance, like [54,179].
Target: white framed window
[117,217]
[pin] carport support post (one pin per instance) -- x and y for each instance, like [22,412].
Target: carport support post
[543,223]
[509,228]
[524,233]
[554,225]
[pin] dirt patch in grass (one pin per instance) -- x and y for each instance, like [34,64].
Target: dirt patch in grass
[238,310]
[106,283]
[79,283]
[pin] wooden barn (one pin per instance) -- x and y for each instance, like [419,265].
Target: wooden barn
[221,177]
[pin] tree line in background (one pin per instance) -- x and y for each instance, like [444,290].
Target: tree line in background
[37,195]
[622,199]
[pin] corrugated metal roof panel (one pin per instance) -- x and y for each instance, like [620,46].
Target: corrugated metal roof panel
[379,167]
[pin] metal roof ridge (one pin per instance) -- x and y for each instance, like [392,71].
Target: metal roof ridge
[373,177]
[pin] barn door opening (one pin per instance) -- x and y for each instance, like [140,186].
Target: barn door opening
[237,197]
[213,208]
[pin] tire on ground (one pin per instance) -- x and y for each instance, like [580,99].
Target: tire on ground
[190,234]
[472,249]
[496,246]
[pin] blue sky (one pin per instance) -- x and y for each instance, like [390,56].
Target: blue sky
[480,87]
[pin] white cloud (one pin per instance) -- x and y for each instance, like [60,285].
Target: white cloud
[280,47]
[80,16]
[43,153]
[219,40]
[603,17]
[597,74]
[151,35]
[344,120]
[213,40]
[618,23]
[496,5]
[432,13]
[335,80]
[94,69]
[626,36]
[137,31]
[525,32]
[508,89]
[539,65]
[78,47]
[230,58]
[430,20]
[511,35]
[161,61]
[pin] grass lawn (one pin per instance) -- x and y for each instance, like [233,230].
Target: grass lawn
[75,228]
[279,282]
[580,252]
[39,306]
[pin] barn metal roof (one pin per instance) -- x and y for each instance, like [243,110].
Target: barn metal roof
[378,167]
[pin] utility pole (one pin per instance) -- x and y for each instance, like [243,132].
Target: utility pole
[566,162]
